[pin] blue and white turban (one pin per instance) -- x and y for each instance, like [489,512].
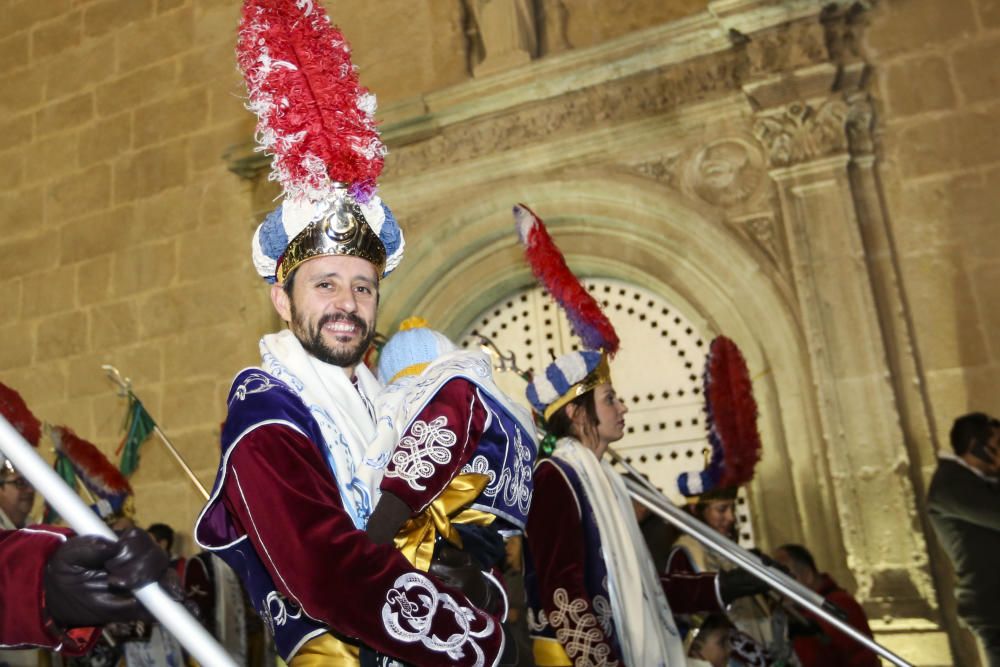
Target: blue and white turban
[562,380]
[291,217]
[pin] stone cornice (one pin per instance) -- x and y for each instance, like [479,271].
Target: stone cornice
[641,70]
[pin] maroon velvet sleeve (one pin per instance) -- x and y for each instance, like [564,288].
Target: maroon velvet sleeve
[437,444]
[200,589]
[281,494]
[688,591]
[555,537]
[852,654]
[23,620]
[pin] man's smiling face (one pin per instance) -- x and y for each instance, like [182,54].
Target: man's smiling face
[332,307]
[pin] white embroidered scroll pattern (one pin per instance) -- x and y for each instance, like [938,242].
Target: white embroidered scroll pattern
[419,453]
[578,631]
[514,480]
[537,621]
[513,484]
[602,607]
[278,610]
[255,383]
[481,465]
[410,610]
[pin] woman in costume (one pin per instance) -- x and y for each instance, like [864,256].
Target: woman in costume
[761,627]
[594,595]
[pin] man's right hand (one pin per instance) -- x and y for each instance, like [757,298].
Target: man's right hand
[87,579]
[458,569]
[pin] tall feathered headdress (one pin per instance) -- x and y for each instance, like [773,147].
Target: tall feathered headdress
[318,123]
[16,411]
[548,264]
[105,482]
[731,418]
[575,373]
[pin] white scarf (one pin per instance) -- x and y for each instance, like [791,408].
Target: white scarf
[402,400]
[646,629]
[5,522]
[355,449]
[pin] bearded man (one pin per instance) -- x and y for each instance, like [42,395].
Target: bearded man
[300,463]
[301,455]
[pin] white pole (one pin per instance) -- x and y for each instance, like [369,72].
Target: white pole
[662,507]
[82,519]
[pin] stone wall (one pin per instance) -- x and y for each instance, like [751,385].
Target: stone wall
[935,81]
[124,234]
[939,102]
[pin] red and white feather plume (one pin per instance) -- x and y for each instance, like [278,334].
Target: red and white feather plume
[314,116]
[92,467]
[16,411]
[549,266]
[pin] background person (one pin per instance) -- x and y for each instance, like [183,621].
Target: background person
[830,647]
[964,506]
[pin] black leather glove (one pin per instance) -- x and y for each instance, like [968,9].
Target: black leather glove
[137,561]
[458,569]
[734,584]
[87,578]
[389,516]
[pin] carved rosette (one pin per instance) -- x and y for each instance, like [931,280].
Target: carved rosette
[663,169]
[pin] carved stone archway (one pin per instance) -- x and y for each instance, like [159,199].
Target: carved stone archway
[630,229]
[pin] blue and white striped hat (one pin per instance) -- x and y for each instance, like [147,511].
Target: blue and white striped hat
[569,376]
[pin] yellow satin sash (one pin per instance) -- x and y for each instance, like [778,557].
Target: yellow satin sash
[549,653]
[416,541]
[326,651]
[416,538]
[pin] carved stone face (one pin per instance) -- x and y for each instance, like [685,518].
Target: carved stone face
[726,172]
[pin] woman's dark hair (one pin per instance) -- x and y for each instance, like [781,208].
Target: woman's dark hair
[560,425]
[699,508]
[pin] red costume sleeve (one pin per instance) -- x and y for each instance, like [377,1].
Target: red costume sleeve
[555,538]
[833,648]
[280,493]
[852,653]
[689,591]
[437,444]
[23,620]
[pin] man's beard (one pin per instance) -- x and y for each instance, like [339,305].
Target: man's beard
[313,343]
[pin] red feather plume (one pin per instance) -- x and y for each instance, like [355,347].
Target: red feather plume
[16,411]
[313,114]
[732,411]
[549,266]
[92,467]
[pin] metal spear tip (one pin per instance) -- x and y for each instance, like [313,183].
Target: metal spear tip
[124,383]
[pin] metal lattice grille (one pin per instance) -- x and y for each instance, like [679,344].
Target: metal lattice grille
[657,372]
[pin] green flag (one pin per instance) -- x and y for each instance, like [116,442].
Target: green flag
[64,469]
[138,425]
